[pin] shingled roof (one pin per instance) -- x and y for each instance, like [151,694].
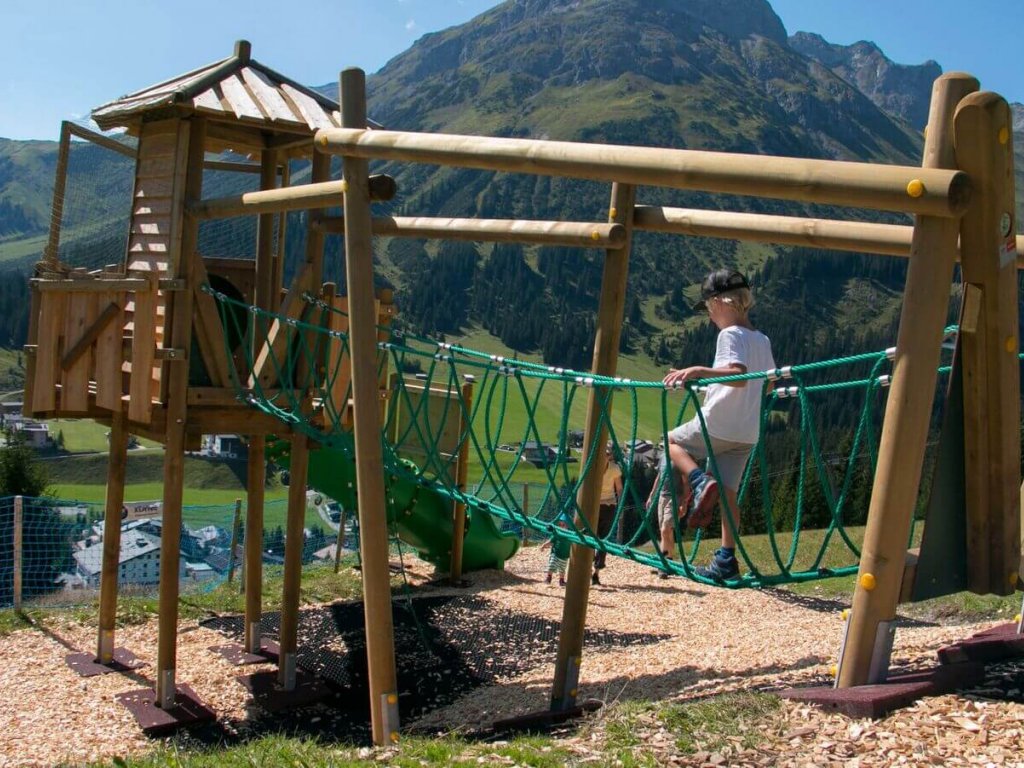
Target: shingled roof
[236,89]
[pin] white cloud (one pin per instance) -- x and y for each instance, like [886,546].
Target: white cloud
[410,25]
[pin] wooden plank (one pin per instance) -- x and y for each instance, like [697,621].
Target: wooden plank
[209,101]
[156,187]
[339,362]
[109,357]
[30,350]
[312,113]
[156,244]
[140,263]
[87,286]
[239,100]
[48,350]
[274,344]
[151,166]
[152,206]
[150,224]
[99,324]
[140,404]
[270,99]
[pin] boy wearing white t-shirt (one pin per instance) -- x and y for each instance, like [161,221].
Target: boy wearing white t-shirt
[731,411]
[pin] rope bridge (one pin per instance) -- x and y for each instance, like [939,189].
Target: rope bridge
[517,425]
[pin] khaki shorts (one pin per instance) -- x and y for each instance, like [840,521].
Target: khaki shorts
[730,457]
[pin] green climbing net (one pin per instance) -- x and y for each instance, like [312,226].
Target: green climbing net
[518,428]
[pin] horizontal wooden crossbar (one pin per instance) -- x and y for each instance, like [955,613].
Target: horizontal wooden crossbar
[912,189]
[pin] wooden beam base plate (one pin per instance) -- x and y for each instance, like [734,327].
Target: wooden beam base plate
[875,701]
[86,665]
[272,697]
[237,655]
[154,721]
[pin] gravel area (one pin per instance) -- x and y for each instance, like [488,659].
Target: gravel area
[704,641]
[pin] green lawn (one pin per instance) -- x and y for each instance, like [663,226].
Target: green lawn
[87,436]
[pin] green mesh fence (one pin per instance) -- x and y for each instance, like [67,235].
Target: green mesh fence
[517,430]
[62,544]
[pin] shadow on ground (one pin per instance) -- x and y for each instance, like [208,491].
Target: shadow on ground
[445,646]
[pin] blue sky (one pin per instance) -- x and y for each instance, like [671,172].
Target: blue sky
[61,58]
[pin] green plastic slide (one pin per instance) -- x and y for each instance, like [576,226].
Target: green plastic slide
[421,517]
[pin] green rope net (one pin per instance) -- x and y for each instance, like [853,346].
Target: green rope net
[518,426]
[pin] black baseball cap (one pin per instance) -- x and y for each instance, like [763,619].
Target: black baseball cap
[718,282]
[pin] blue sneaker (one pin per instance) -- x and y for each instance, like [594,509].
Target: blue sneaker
[720,568]
[705,497]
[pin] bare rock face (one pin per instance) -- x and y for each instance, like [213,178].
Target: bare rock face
[900,89]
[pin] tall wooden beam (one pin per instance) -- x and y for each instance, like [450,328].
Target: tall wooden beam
[51,254]
[191,137]
[461,473]
[255,487]
[928,191]
[298,469]
[991,373]
[865,655]
[380,642]
[265,236]
[117,465]
[606,355]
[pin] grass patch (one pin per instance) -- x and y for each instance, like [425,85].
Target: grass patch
[87,436]
[411,752]
[704,725]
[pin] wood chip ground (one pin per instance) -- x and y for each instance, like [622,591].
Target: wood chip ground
[718,641]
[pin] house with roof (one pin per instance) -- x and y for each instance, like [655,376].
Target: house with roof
[138,561]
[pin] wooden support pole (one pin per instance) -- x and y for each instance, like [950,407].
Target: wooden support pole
[265,236]
[461,473]
[117,465]
[569,234]
[937,192]
[380,641]
[191,137]
[19,544]
[52,252]
[325,194]
[282,241]
[236,524]
[256,479]
[606,354]
[865,655]
[991,373]
[294,543]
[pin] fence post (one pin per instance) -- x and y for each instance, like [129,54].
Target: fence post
[236,523]
[18,541]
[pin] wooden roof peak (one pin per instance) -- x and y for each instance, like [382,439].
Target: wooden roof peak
[235,89]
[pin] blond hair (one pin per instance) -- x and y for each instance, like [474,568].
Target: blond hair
[741,298]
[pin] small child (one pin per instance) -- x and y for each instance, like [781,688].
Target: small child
[731,411]
[559,557]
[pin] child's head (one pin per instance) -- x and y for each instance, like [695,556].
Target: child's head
[725,293]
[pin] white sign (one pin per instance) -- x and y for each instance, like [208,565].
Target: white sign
[141,510]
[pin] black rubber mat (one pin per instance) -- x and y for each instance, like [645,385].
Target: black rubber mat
[444,647]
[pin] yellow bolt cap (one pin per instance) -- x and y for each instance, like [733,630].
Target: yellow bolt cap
[595,235]
[392,698]
[1012,578]
[1011,344]
[867,581]
[1004,135]
[394,737]
[1017,618]
[834,670]
[915,188]
[612,212]
[845,613]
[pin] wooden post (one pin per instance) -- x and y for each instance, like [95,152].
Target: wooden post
[265,273]
[117,465]
[191,136]
[865,653]
[282,238]
[606,354]
[19,522]
[294,543]
[253,573]
[236,524]
[341,539]
[380,642]
[461,472]
[984,149]
[52,253]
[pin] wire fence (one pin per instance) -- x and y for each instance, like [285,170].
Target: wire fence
[51,550]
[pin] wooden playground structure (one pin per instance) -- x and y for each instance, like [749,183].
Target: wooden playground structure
[118,344]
